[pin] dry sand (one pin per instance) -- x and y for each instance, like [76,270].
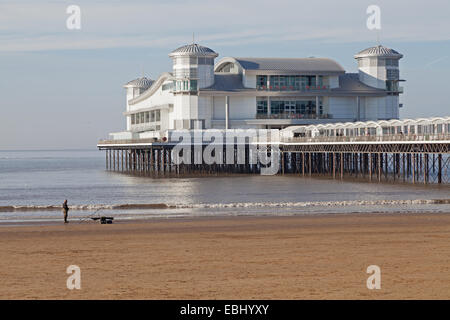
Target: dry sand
[301,257]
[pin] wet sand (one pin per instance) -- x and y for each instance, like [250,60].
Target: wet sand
[301,257]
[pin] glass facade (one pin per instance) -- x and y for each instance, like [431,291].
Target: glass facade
[282,108]
[290,83]
[392,86]
[261,107]
[167,86]
[186,85]
[146,117]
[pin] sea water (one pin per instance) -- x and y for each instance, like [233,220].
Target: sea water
[33,185]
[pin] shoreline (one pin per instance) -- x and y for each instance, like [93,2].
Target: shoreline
[262,257]
[169,219]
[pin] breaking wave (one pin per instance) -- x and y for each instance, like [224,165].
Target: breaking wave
[92,207]
[85,207]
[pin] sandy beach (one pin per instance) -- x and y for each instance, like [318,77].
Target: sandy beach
[300,257]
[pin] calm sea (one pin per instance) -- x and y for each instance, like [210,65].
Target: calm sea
[33,185]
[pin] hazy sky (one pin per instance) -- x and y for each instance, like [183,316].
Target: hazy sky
[62,88]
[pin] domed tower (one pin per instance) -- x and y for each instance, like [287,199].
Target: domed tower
[379,67]
[137,86]
[193,69]
[195,64]
[133,89]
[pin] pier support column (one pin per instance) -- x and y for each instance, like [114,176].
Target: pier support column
[303,164]
[439,168]
[310,163]
[379,166]
[334,165]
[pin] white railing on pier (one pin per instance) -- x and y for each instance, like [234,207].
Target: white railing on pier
[385,138]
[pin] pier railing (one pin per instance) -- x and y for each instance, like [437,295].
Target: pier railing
[385,138]
[128,141]
[321,139]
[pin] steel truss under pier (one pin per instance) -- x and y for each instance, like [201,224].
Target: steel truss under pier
[413,162]
[404,162]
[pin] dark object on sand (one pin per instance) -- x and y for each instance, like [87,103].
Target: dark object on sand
[104,220]
[65,211]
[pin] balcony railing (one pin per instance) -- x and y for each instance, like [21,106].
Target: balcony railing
[292,116]
[372,138]
[293,88]
[128,141]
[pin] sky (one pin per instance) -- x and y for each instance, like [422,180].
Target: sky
[63,89]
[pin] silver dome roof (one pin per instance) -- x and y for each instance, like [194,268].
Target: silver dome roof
[379,51]
[193,49]
[140,83]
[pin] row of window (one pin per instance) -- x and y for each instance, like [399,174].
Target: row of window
[392,74]
[392,86]
[185,85]
[291,107]
[228,67]
[146,117]
[185,73]
[288,82]
[167,86]
[381,62]
[195,60]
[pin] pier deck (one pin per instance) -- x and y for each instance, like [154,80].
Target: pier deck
[403,158]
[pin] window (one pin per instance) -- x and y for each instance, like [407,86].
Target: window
[228,67]
[182,60]
[133,119]
[158,115]
[167,86]
[391,85]
[292,108]
[276,107]
[275,82]
[147,117]
[261,82]
[261,107]
[320,81]
[392,74]
[392,62]
[205,61]
[364,62]
[186,73]
[193,85]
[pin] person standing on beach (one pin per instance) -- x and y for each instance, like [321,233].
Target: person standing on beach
[65,211]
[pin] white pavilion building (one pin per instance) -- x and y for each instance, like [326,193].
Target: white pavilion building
[261,93]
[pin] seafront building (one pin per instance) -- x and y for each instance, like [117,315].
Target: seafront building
[330,122]
[260,93]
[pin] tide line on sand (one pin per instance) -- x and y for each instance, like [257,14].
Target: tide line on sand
[147,206]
